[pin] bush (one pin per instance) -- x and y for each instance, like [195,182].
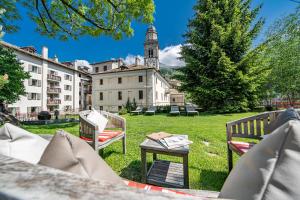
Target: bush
[123,111]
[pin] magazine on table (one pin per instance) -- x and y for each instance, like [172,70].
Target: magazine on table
[175,141]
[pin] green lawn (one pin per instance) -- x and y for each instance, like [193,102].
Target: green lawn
[208,153]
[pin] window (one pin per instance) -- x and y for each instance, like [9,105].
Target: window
[141,94]
[68,77]
[68,108]
[68,87]
[104,68]
[173,99]
[162,96]
[156,95]
[34,82]
[101,81]
[150,52]
[34,96]
[101,107]
[34,69]
[119,80]
[119,107]
[79,75]
[101,96]
[68,98]
[140,79]
[120,95]
[96,69]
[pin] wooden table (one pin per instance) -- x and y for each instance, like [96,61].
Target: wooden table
[165,173]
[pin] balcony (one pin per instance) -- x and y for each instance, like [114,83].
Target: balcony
[53,102]
[52,90]
[52,77]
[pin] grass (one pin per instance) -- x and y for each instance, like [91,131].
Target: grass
[208,153]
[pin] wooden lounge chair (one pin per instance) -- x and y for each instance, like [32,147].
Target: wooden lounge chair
[254,127]
[174,110]
[114,131]
[151,110]
[137,111]
[190,110]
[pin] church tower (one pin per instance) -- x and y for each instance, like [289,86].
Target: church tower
[151,48]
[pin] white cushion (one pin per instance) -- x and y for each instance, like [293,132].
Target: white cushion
[21,144]
[98,119]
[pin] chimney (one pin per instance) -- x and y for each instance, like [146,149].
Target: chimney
[45,52]
[55,58]
[119,62]
[137,61]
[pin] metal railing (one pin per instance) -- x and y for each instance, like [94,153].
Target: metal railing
[53,77]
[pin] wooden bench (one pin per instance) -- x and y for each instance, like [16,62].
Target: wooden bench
[90,133]
[252,128]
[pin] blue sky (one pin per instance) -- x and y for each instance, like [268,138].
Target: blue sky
[171,19]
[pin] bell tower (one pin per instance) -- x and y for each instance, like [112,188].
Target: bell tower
[151,48]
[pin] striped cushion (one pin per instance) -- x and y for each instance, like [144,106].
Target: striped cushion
[104,136]
[240,147]
[152,188]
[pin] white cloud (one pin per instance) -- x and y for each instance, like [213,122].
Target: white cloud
[169,56]
[130,59]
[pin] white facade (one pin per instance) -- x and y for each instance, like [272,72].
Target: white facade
[111,90]
[52,85]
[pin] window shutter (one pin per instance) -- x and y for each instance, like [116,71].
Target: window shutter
[39,70]
[29,68]
[70,88]
[71,78]
[30,82]
[29,96]
[39,83]
[38,96]
[65,86]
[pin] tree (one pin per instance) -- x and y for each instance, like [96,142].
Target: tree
[74,18]
[219,37]
[11,91]
[128,105]
[134,105]
[283,57]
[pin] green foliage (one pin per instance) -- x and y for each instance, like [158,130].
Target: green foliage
[134,105]
[74,18]
[123,111]
[282,57]
[219,37]
[11,91]
[128,105]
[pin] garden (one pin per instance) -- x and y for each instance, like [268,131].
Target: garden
[208,154]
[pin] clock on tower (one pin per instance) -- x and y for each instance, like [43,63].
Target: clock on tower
[151,48]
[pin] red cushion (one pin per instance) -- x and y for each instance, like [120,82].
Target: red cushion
[240,147]
[104,136]
[152,188]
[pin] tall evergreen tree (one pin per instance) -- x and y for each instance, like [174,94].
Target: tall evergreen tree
[218,38]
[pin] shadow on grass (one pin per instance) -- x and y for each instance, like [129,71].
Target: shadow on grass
[212,180]
[52,126]
[107,153]
[133,171]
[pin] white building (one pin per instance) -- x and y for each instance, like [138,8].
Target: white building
[52,86]
[114,83]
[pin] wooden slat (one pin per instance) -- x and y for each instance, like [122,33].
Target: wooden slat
[240,128]
[245,128]
[258,127]
[234,129]
[252,128]
[265,121]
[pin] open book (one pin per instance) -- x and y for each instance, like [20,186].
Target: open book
[170,141]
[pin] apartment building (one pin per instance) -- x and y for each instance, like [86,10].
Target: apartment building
[52,85]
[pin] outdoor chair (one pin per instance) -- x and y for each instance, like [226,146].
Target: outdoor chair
[115,130]
[151,110]
[254,128]
[190,110]
[138,110]
[174,110]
